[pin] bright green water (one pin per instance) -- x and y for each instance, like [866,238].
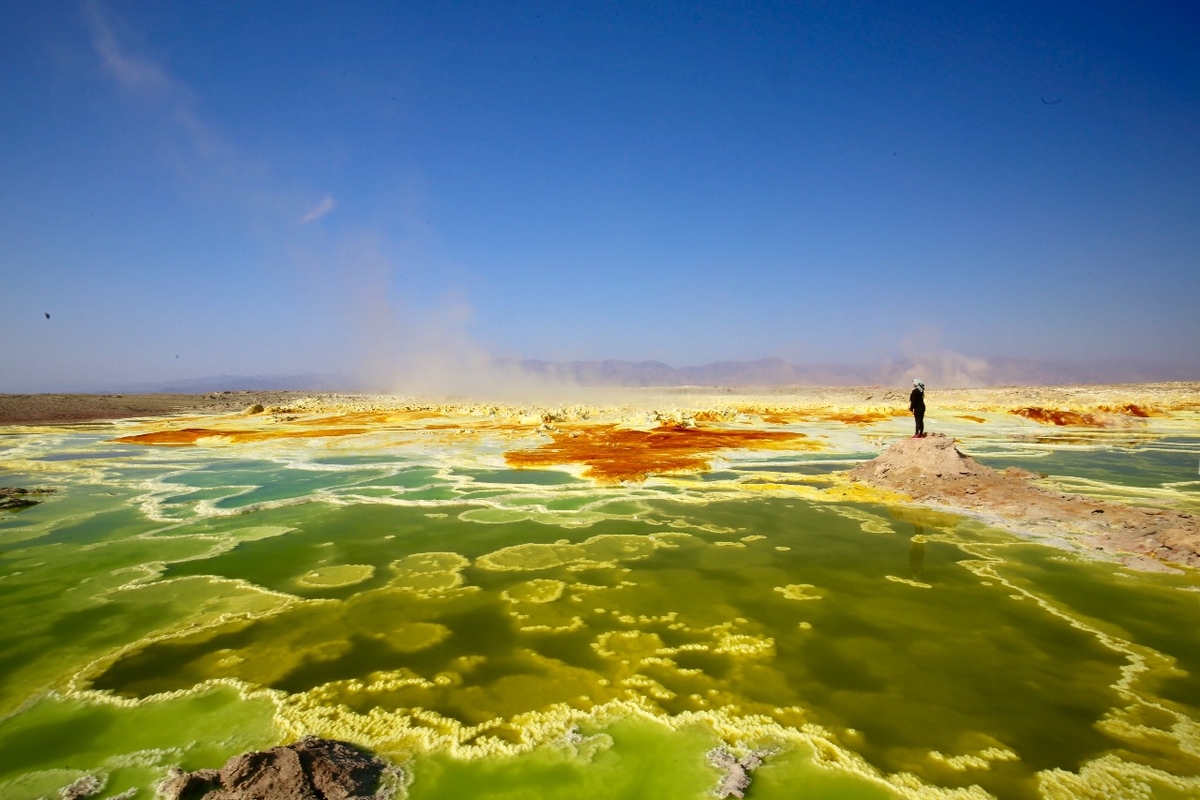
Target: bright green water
[175,606]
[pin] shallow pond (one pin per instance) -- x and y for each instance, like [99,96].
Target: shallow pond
[506,632]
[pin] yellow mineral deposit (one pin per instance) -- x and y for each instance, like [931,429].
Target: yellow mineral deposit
[491,583]
[429,573]
[336,575]
[613,454]
[598,551]
[799,591]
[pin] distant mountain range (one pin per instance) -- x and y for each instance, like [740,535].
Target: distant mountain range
[946,370]
[308,382]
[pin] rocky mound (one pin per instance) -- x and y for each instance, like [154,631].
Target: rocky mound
[310,769]
[934,471]
[14,498]
[910,464]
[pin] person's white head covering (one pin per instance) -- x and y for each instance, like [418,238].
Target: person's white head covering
[920,384]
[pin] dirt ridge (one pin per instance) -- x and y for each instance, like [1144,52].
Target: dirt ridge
[933,471]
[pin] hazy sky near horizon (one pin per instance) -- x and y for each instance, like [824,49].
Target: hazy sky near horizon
[191,189]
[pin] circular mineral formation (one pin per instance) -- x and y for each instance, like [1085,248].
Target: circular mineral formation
[336,575]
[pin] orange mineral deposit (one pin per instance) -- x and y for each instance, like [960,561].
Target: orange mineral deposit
[1054,416]
[185,436]
[614,454]
[789,416]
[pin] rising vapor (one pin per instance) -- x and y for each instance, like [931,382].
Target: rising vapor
[321,209]
[130,71]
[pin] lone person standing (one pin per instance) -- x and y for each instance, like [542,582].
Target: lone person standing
[916,404]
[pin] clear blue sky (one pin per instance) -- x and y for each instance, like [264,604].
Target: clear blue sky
[191,189]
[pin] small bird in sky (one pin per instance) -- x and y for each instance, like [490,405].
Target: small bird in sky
[47,315]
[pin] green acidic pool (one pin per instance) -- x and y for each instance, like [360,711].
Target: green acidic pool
[501,633]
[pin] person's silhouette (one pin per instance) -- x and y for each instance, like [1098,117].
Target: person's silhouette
[916,404]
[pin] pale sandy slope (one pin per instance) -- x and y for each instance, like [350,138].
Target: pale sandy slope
[933,471]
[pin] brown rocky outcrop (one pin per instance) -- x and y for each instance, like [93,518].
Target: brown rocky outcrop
[915,466]
[49,409]
[934,471]
[14,498]
[310,769]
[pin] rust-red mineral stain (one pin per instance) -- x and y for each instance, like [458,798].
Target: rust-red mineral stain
[848,417]
[615,454]
[399,417]
[1054,416]
[181,436]
[185,436]
[1131,410]
[1104,418]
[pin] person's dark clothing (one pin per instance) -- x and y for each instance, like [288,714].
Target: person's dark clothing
[916,404]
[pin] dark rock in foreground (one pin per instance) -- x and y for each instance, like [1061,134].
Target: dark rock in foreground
[13,498]
[310,769]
